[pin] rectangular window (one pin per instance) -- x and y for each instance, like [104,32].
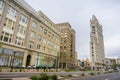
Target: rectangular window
[39,38]
[12,12]
[0,17]
[1,5]
[40,28]
[19,41]
[34,25]
[32,35]
[31,44]
[4,61]
[23,19]
[93,32]
[38,46]
[49,34]
[45,31]
[9,24]
[44,48]
[44,40]
[22,30]
[6,37]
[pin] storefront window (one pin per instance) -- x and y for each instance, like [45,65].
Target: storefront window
[3,61]
[19,53]
[7,51]
[9,55]
[17,62]
[37,59]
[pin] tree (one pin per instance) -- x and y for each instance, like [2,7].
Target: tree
[1,44]
[64,59]
[114,66]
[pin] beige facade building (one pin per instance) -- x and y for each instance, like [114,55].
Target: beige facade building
[96,45]
[67,48]
[28,37]
[76,60]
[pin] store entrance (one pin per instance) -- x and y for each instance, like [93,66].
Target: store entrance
[28,60]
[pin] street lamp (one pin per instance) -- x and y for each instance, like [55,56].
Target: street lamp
[57,60]
[14,52]
[103,65]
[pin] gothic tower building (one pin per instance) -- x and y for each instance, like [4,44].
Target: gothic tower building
[97,54]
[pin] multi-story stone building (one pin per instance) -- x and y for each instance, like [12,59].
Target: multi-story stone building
[67,48]
[96,45]
[28,37]
[76,60]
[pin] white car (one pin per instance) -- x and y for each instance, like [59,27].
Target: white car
[29,67]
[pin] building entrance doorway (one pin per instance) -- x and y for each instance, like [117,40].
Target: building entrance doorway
[28,60]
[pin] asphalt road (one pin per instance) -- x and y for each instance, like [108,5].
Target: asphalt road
[10,75]
[110,76]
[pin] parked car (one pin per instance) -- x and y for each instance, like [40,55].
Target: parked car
[31,67]
[110,70]
[18,66]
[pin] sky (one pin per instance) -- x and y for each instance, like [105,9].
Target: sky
[78,13]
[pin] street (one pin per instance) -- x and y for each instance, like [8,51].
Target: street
[109,76]
[10,75]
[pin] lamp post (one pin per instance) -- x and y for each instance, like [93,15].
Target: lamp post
[57,60]
[103,65]
[14,52]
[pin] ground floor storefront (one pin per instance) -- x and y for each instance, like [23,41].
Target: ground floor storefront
[15,56]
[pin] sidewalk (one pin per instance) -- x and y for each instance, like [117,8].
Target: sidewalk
[24,78]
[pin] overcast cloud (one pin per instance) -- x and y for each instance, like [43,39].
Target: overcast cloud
[78,14]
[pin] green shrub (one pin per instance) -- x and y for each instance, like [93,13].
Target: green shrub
[91,73]
[69,75]
[109,71]
[43,76]
[0,69]
[70,70]
[11,70]
[53,77]
[98,72]
[83,74]
[20,70]
[62,76]
[35,77]
[105,72]
[16,70]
